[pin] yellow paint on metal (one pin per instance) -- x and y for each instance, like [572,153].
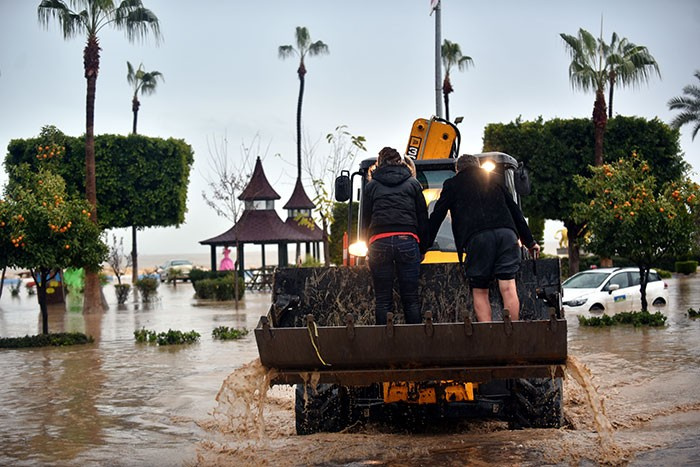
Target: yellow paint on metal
[430,139]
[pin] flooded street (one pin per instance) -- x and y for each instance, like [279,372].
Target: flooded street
[118,402]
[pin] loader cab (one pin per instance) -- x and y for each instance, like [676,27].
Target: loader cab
[432,173]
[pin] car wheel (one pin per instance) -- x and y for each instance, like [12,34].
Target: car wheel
[597,307]
[659,301]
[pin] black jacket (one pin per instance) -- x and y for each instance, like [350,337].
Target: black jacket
[393,202]
[477,203]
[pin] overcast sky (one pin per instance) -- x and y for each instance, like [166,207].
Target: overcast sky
[223,77]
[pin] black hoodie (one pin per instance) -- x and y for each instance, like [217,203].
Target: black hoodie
[393,202]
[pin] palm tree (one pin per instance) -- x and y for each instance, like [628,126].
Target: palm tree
[89,19]
[588,70]
[689,105]
[304,47]
[629,64]
[145,82]
[451,56]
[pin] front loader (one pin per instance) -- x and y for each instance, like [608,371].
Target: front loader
[320,334]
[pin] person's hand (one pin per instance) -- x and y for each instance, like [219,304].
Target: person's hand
[534,251]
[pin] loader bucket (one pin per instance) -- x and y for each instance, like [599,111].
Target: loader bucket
[361,355]
[321,326]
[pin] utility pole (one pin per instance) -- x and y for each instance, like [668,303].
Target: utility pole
[435,7]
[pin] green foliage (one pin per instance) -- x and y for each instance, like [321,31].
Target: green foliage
[686,267]
[221,288]
[197,274]
[664,274]
[310,262]
[692,313]
[557,150]
[226,333]
[42,227]
[148,287]
[171,337]
[632,216]
[141,181]
[44,340]
[636,318]
[122,291]
[338,227]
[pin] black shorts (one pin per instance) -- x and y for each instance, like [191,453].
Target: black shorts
[492,253]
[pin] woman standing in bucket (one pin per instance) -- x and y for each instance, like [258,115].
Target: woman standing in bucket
[397,218]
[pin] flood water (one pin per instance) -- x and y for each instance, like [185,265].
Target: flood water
[118,402]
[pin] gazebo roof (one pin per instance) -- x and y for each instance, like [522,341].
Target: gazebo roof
[299,198]
[312,235]
[258,188]
[258,226]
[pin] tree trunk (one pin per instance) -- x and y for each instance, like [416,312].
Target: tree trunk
[2,280]
[134,264]
[135,104]
[326,243]
[600,120]
[91,60]
[299,101]
[572,233]
[643,280]
[40,278]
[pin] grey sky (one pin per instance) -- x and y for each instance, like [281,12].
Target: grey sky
[223,76]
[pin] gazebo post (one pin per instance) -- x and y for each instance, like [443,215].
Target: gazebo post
[239,259]
[262,255]
[212,248]
[282,256]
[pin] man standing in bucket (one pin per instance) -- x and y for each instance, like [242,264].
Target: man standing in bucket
[486,224]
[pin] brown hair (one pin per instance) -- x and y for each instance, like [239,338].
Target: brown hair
[389,156]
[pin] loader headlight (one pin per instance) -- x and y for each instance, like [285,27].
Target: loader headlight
[358,249]
[488,165]
[576,302]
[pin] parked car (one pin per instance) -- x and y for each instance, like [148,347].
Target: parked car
[612,290]
[181,267]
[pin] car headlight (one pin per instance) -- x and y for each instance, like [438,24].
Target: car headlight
[576,302]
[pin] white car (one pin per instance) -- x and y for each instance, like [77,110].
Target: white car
[611,290]
[182,266]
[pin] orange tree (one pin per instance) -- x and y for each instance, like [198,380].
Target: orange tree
[631,215]
[43,229]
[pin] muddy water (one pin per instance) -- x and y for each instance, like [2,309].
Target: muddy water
[116,402]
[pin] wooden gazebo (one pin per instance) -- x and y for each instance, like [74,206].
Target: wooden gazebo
[261,225]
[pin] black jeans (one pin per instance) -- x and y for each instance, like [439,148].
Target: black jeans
[399,256]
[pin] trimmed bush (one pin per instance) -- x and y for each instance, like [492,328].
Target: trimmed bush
[686,267]
[221,288]
[635,318]
[147,287]
[44,340]
[226,333]
[171,337]
[197,274]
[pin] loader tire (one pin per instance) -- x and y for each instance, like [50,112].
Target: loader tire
[536,403]
[324,409]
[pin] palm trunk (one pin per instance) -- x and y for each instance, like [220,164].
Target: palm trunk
[301,72]
[91,60]
[600,120]
[135,104]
